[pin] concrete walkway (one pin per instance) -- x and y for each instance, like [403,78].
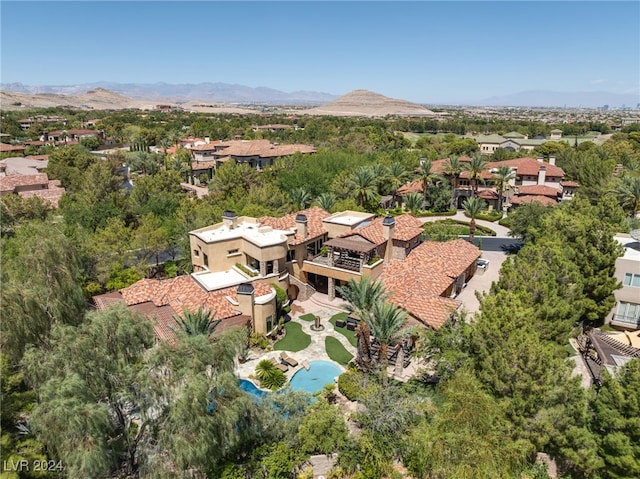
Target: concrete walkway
[501,231]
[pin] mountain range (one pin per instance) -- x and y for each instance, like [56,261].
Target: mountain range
[226,93]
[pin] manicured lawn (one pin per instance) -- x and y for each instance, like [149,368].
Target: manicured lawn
[308,317]
[294,339]
[350,335]
[337,351]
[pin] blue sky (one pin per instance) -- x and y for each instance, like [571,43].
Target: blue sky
[423,51]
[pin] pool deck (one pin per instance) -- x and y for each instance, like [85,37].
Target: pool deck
[319,305]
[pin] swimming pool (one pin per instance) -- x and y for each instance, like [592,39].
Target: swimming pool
[251,388]
[319,373]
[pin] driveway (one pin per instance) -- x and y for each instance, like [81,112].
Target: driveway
[481,282]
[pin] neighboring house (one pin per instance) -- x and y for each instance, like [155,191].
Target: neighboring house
[27,123]
[13,149]
[626,313]
[32,185]
[607,350]
[70,136]
[534,180]
[256,153]
[513,141]
[555,135]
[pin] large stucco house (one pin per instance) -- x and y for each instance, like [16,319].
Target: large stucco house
[237,262]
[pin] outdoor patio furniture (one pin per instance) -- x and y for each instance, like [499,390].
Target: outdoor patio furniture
[352,323]
[340,323]
[282,367]
[288,359]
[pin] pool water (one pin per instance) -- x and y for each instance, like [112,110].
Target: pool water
[251,388]
[319,373]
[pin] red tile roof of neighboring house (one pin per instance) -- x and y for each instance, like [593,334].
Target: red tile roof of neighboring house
[528,167]
[570,184]
[38,157]
[406,228]
[10,183]
[203,165]
[544,200]
[211,146]
[414,186]
[487,194]
[52,194]
[539,190]
[315,227]
[418,282]
[4,147]
[259,148]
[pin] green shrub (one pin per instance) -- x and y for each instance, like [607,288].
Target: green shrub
[246,270]
[259,340]
[506,222]
[353,384]
[489,216]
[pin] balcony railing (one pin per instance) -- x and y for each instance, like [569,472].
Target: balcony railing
[343,263]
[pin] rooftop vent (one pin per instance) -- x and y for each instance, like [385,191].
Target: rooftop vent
[245,288]
[388,221]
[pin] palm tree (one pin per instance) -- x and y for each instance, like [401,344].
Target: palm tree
[414,202]
[361,296]
[472,207]
[380,173]
[397,175]
[475,168]
[453,167]
[502,178]
[363,183]
[300,198]
[427,177]
[386,322]
[326,201]
[198,322]
[627,193]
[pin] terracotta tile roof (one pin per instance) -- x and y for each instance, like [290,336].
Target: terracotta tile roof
[529,167]
[4,147]
[315,227]
[487,195]
[159,300]
[570,184]
[540,190]
[211,146]
[52,194]
[203,165]
[10,183]
[259,148]
[418,282]
[407,227]
[544,200]
[38,157]
[414,186]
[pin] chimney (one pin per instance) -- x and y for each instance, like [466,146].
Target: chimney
[230,218]
[542,175]
[541,159]
[552,160]
[246,303]
[388,227]
[301,221]
[207,140]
